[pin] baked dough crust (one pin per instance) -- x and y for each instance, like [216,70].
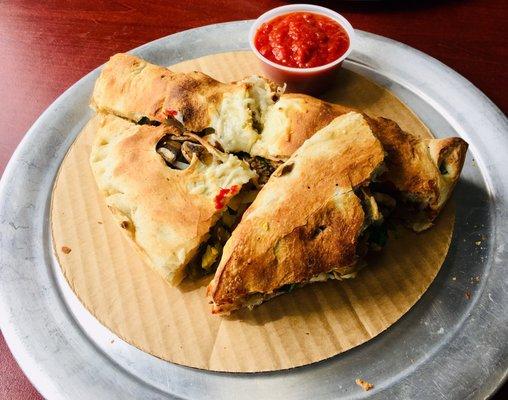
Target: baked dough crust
[414,165]
[166,212]
[306,220]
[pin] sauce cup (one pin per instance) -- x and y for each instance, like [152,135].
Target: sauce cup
[308,80]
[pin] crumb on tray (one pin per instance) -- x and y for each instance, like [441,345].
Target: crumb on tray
[364,384]
[66,250]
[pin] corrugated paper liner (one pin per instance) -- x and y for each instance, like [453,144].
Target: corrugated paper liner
[175,324]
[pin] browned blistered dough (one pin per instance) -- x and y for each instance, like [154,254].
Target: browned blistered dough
[304,222]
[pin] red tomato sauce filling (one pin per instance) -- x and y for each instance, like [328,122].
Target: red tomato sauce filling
[220,198]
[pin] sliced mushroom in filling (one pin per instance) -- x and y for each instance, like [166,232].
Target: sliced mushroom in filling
[210,252]
[263,167]
[178,150]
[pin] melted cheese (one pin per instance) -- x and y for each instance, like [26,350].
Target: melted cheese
[240,113]
[276,126]
[209,179]
[233,124]
[262,96]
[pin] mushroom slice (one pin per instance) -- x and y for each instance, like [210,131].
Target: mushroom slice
[167,155]
[264,168]
[181,138]
[169,150]
[189,148]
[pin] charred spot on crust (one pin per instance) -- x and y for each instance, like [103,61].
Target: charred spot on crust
[188,114]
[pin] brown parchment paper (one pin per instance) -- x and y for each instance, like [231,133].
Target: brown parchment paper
[175,324]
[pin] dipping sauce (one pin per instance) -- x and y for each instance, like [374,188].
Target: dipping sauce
[301,40]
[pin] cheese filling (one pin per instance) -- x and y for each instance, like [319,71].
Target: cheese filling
[242,113]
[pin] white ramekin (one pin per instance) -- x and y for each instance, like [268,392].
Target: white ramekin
[306,79]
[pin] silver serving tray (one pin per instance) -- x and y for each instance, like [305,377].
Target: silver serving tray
[446,346]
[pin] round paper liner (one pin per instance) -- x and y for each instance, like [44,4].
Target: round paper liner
[175,324]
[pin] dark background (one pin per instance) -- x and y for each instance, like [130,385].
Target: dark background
[45,46]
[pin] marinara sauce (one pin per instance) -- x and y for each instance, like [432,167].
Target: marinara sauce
[301,40]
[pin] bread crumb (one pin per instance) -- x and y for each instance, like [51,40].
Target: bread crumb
[467,295]
[478,242]
[66,250]
[364,384]
[454,278]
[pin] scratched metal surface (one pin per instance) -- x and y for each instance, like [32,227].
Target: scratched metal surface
[452,344]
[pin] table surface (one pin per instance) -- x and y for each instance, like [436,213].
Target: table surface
[46,46]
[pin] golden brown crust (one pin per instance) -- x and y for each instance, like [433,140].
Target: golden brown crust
[306,220]
[166,212]
[423,171]
[292,120]
[450,153]
[413,164]
[133,88]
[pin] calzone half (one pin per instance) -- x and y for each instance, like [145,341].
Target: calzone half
[312,220]
[166,191]
[420,173]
